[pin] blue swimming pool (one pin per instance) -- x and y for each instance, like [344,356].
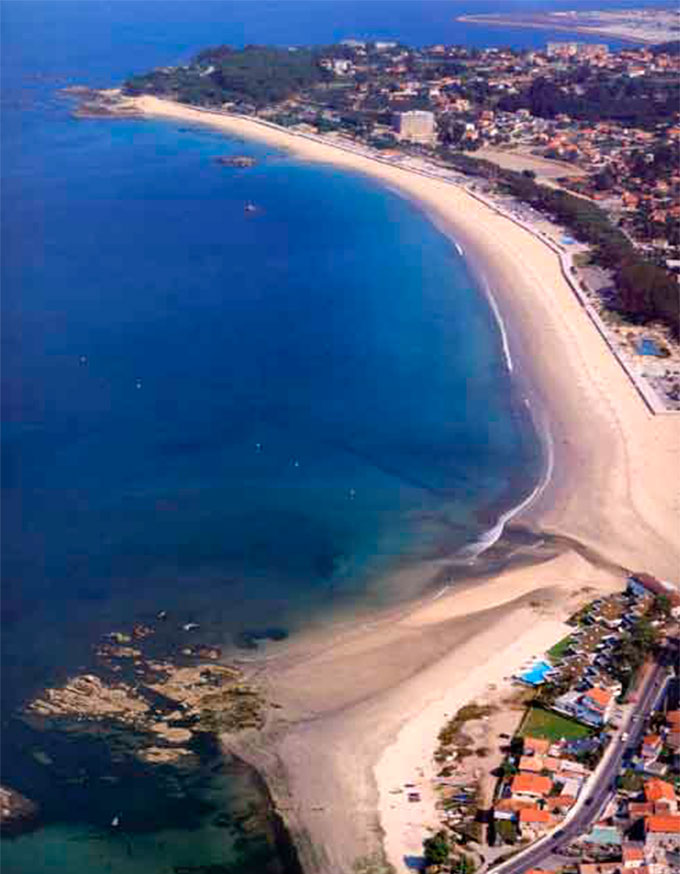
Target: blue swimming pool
[536,674]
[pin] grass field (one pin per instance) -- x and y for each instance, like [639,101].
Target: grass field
[545,723]
[556,652]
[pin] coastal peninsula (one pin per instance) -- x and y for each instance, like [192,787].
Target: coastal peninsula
[630,25]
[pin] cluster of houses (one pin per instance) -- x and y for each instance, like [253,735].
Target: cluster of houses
[640,828]
[466,91]
[545,787]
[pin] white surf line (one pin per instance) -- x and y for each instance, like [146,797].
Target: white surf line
[474,550]
[501,324]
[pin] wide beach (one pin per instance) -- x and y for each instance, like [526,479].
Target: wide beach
[361,706]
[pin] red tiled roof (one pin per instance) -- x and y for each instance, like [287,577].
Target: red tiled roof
[656,790]
[533,814]
[531,763]
[600,697]
[536,745]
[514,805]
[560,801]
[531,783]
[663,824]
[633,854]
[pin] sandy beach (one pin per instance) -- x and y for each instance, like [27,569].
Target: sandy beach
[361,706]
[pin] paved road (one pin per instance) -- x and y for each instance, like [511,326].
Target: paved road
[601,788]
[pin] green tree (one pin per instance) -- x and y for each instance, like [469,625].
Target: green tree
[437,849]
[463,865]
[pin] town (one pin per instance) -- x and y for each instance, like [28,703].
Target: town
[584,778]
[580,142]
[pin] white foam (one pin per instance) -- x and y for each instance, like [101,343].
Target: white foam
[459,248]
[488,538]
[501,325]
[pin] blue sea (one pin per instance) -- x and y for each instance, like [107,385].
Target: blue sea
[247,419]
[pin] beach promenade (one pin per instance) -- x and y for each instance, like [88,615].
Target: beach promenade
[361,706]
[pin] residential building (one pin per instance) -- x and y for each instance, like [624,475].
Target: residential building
[536,746]
[662,832]
[530,786]
[662,796]
[534,822]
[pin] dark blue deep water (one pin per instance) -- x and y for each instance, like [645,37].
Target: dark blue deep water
[247,419]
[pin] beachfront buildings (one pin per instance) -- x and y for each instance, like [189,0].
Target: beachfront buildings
[416,126]
[593,707]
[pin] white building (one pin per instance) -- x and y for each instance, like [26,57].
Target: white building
[416,127]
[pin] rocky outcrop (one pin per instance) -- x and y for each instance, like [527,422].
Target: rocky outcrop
[88,696]
[106,103]
[235,161]
[164,703]
[17,813]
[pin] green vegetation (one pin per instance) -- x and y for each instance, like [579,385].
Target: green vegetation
[544,723]
[437,849]
[630,781]
[463,865]
[645,292]
[555,653]
[256,75]
[642,102]
[633,649]
[449,734]
[507,830]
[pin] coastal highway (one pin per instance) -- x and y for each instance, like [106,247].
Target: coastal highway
[600,787]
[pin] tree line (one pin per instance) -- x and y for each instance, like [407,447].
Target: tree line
[644,291]
[256,75]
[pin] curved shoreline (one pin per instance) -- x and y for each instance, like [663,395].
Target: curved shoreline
[336,748]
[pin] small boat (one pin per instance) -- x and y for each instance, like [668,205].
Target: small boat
[115,822]
[190,626]
[249,207]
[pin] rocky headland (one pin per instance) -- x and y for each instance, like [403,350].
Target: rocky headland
[165,701]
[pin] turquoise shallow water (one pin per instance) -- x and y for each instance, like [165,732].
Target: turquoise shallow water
[245,419]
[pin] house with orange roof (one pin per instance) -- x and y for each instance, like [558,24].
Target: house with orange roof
[595,706]
[530,786]
[536,746]
[531,764]
[559,803]
[661,795]
[534,822]
[662,832]
[651,746]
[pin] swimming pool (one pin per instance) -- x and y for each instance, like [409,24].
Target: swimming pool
[536,673]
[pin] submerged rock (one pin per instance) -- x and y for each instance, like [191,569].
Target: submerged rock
[235,161]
